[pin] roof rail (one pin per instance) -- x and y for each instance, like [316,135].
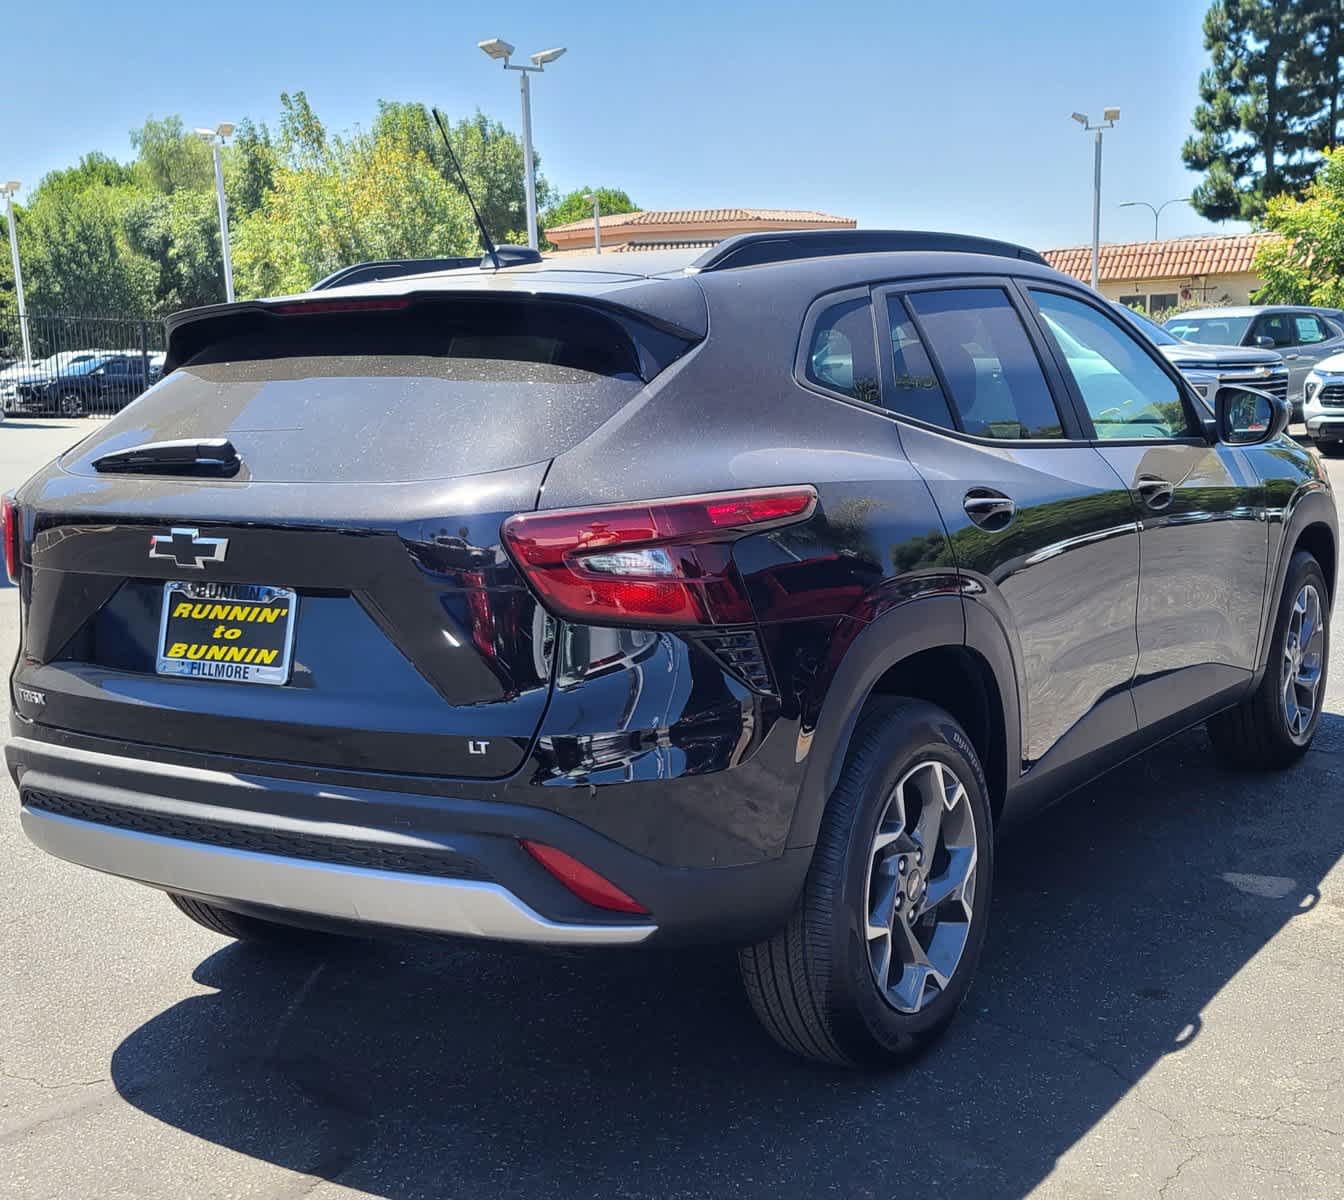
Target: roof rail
[754,249]
[390,268]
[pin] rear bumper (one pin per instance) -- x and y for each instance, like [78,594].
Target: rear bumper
[381,859]
[398,900]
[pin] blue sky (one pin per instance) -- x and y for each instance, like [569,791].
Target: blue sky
[945,115]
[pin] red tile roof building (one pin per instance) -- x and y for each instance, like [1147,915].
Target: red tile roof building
[1161,275]
[685,227]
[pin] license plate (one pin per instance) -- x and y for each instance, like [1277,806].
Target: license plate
[240,632]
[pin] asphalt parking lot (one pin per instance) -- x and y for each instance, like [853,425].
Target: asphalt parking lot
[1160,1012]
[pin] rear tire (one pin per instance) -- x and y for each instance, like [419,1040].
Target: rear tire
[826,986]
[242,927]
[1257,735]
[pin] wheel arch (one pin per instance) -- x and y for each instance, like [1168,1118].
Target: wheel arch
[936,648]
[1310,524]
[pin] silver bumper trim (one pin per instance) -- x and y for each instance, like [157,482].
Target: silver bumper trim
[420,902]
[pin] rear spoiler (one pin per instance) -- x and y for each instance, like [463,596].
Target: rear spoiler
[664,318]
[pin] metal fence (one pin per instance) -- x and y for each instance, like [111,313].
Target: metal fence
[76,366]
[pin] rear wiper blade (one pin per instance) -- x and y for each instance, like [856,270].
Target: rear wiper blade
[214,456]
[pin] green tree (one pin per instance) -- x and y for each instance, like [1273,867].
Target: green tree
[249,168]
[1306,265]
[177,236]
[1258,119]
[491,158]
[343,201]
[76,258]
[574,206]
[169,158]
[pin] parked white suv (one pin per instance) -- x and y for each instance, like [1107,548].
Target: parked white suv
[1323,403]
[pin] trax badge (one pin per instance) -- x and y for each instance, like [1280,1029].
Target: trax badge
[187,548]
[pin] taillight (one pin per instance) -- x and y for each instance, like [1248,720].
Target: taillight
[12,535]
[658,562]
[583,881]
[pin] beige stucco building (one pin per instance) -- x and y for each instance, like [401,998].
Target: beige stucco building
[1156,276]
[684,228]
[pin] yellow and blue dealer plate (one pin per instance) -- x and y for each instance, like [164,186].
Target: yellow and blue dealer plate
[239,632]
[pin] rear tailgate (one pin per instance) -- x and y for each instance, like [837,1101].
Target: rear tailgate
[380,452]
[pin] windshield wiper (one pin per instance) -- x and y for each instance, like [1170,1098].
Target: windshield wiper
[206,456]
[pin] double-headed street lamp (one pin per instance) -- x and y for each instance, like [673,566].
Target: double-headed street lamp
[1157,212]
[216,138]
[499,49]
[1109,116]
[7,190]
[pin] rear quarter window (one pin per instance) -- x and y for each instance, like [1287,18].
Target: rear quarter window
[840,356]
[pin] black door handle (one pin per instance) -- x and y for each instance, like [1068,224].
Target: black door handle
[989,509]
[1156,493]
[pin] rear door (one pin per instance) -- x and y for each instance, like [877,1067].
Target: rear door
[1204,544]
[1303,338]
[1038,519]
[380,452]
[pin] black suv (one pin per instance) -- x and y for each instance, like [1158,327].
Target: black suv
[596,602]
[96,383]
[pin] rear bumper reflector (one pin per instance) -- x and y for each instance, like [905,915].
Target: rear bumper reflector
[582,880]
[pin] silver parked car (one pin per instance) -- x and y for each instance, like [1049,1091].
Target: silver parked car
[1303,335]
[1210,367]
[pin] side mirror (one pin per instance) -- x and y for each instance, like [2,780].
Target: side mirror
[1266,343]
[1247,417]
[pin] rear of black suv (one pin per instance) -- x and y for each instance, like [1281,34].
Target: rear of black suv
[564,604]
[345,671]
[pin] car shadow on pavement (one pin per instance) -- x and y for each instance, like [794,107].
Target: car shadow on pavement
[426,1068]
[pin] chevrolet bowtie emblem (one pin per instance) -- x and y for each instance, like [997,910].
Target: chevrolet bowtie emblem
[187,548]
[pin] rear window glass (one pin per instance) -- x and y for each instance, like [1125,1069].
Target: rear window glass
[443,391]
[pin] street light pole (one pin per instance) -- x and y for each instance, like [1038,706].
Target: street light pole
[8,190]
[529,176]
[499,49]
[1157,212]
[1109,116]
[592,198]
[216,138]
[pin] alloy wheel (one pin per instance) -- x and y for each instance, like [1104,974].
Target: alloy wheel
[1303,662]
[920,891]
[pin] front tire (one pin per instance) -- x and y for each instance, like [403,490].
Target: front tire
[1274,726]
[880,951]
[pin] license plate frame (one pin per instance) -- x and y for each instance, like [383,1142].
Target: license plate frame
[228,607]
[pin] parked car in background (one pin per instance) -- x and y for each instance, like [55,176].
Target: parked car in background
[836,570]
[1303,335]
[96,383]
[1210,367]
[1323,409]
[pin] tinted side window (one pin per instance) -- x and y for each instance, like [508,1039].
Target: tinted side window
[840,356]
[1278,329]
[915,391]
[1127,394]
[996,380]
[1309,330]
